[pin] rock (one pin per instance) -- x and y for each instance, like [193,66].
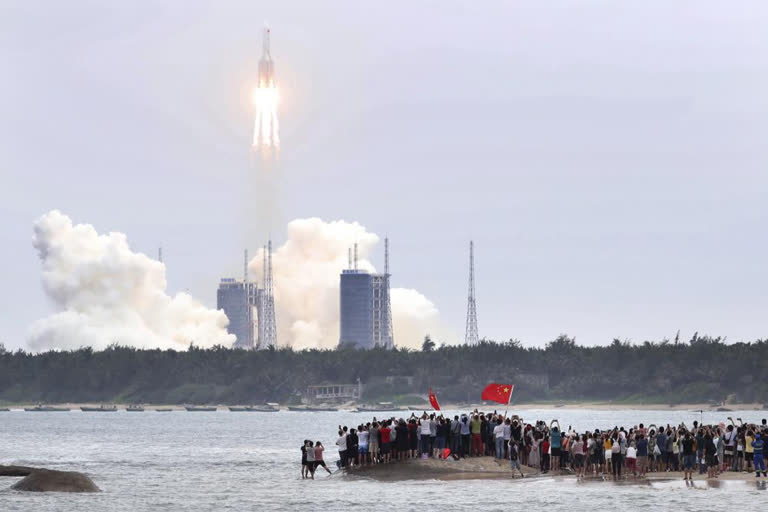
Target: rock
[47,480]
[15,470]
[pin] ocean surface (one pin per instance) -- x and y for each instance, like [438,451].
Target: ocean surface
[244,461]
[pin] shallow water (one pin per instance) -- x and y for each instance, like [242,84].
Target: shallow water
[239,461]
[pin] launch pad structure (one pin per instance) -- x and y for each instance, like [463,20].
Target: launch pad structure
[249,308]
[365,306]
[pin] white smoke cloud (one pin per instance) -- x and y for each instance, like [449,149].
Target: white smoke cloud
[109,294]
[306,277]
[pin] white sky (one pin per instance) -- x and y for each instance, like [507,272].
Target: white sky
[608,158]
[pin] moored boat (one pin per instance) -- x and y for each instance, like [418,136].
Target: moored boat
[164,409]
[134,408]
[101,408]
[46,408]
[254,408]
[200,408]
[380,407]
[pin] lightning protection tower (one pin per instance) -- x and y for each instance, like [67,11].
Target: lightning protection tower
[470,334]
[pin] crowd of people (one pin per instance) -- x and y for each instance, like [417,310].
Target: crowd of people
[616,452]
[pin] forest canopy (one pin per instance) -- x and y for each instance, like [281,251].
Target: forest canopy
[703,369]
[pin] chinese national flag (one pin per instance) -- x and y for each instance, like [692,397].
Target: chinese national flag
[498,392]
[433,400]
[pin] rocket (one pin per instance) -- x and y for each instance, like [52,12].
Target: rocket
[266,66]
[266,130]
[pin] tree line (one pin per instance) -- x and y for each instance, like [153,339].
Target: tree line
[703,369]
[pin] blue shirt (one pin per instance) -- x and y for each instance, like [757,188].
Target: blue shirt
[554,441]
[642,448]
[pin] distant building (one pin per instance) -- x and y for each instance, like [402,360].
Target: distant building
[356,309]
[240,301]
[365,316]
[334,393]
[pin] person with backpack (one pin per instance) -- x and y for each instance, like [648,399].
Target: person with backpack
[455,433]
[514,458]
[689,456]
[310,454]
[642,455]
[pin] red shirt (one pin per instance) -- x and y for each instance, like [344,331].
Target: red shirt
[545,447]
[385,434]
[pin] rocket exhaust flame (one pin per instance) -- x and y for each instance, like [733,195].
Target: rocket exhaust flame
[267,127]
[266,130]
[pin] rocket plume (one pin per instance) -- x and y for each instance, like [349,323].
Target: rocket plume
[306,272]
[106,293]
[266,130]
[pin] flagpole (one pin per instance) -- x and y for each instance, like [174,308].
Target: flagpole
[509,401]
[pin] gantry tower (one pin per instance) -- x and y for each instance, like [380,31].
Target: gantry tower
[268,326]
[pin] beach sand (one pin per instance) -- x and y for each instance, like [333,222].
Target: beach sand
[488,468]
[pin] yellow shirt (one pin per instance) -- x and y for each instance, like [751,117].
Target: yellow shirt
[748,444]
[607,444]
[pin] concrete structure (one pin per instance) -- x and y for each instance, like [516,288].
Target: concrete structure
[365,306]
[238,300]
[334,393]
[250,309]
[356,309]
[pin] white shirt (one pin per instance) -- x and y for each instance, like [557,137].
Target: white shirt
[362,438]
[425,427]
[498,432]
[631,452]
[342,443]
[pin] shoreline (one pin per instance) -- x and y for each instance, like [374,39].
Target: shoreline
[610,406]
[489,468]
[553,405]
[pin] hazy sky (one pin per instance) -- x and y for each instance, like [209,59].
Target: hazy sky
[608,158]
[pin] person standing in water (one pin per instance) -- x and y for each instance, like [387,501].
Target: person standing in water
[304,459]
[310,450]
[319,449]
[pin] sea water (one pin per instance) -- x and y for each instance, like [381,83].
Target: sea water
[243,461]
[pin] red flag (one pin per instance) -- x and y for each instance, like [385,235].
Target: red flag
[501,393]
[433,400]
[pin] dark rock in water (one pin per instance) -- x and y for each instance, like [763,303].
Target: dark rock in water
[15,470]
[47,480]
